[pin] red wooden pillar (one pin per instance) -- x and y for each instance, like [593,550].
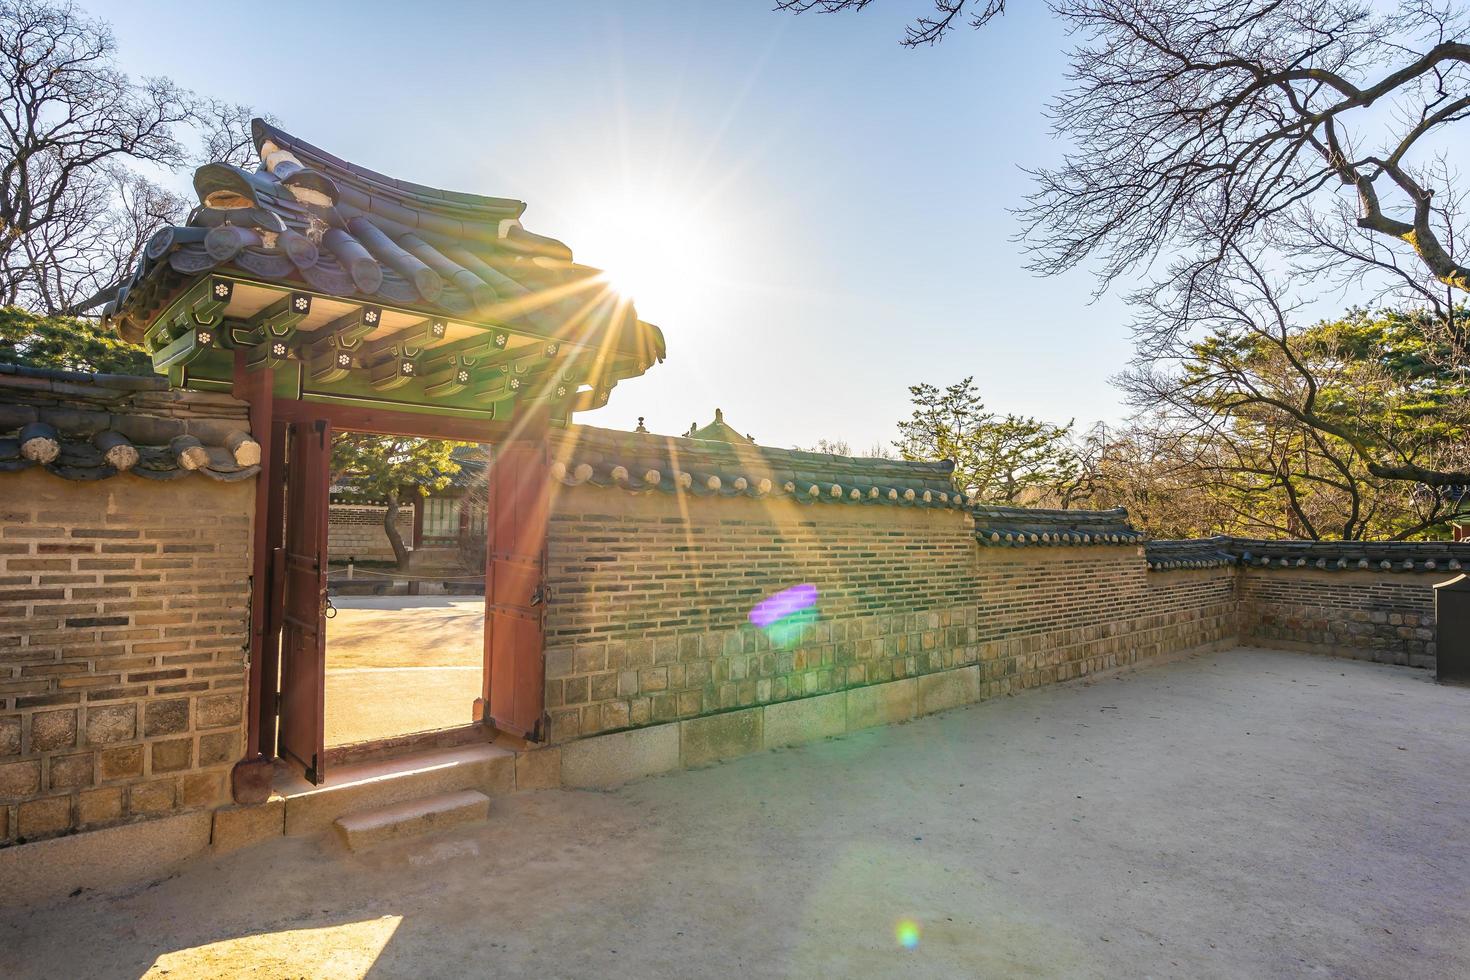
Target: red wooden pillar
[250,780]
[515,593]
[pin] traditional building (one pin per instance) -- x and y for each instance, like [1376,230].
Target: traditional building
[349,288]
[327,295]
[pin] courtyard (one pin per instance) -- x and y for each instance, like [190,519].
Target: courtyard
[397,665]
[1243,813]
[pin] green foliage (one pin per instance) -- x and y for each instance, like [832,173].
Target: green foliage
[69,343]
[1394,371]
[998,459]
[390,467]
[1285,432]
[387,467]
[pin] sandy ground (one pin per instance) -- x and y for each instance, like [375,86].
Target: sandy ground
[402,664]
[1244,814]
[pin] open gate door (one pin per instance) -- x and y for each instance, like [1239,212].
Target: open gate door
[514,588]
[302,566]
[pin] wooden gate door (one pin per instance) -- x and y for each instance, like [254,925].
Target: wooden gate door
[515,569]
[302,567]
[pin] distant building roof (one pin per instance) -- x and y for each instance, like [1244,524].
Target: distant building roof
[1385,556]
[1165,554]
[1014,527]
[718,431]
[640,462]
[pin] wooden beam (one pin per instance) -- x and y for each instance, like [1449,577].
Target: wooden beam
[279,320]
[410,339]
[329,356]
[210,305]
[470,350]
[268,355]
[393,373]
[586,401]
[184,348]
[388,422]
[498,374]
[328,365]
[255,388]
[201,306]
[269,333]
[449,379]
[347,331]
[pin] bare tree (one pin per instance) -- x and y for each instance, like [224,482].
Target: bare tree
[1205,128]
[927,29]
[74,214]
[1356,425]
[832,447]
[1163,476]
[225,132]
[1308,135]
[74,259]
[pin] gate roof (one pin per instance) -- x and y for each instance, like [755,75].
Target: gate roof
[356,287]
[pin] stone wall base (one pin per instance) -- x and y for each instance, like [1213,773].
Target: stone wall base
[46,871]
[605,761]
[1394,656]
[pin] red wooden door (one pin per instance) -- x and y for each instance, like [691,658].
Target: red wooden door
[302,565]
[515,569]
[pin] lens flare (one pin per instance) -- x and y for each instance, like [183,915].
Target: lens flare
[786,615]
[907,933]
[784,603]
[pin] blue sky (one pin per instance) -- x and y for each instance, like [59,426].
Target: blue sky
[839,204]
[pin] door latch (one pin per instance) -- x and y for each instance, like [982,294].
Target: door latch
[538,596]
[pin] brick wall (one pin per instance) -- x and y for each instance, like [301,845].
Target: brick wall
[648,620]
[1387,617]
[123,608]
[1052,614]
[122,634]
[356,531]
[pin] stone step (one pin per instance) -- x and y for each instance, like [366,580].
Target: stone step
[359,830]
[361,786]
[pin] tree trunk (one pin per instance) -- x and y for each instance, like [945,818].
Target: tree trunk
[390,528]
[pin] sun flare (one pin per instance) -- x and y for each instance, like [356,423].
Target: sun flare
[660,251]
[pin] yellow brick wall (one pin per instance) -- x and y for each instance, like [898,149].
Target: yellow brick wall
[1052,614]
[648,616]
[648,619]
[122,647]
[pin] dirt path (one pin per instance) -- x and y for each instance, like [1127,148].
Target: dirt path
[402,664]
[406,631]
[1239,815]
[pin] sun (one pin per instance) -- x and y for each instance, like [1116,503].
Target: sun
[656,248]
